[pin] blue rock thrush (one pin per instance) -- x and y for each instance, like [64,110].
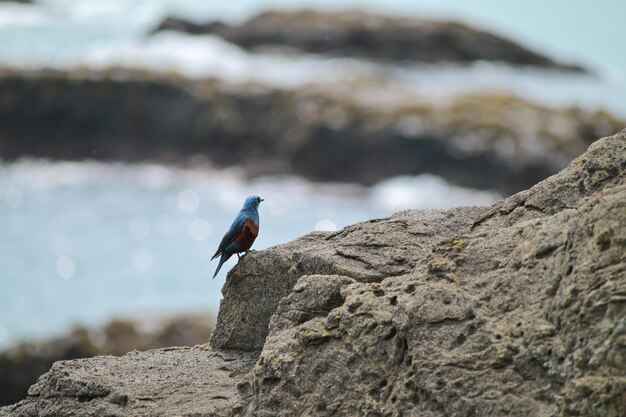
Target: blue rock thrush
[242,232]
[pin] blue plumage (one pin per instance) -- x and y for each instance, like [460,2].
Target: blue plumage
[241,234]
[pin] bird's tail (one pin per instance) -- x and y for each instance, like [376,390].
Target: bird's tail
[219,266]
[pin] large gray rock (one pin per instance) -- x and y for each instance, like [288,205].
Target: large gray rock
[518,309]
[366,252]
[520,317]
[409,241]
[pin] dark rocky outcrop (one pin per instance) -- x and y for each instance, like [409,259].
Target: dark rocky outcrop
[22,364]
[363,35]
[482,141]
[511,310]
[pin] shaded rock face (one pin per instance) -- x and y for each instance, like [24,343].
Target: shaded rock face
[516,309]
[480,141]
[358,34]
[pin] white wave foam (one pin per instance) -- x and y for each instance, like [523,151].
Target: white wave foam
[425,192]
[552,87]
[209,56]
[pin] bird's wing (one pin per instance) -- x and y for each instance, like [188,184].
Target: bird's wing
[235,230]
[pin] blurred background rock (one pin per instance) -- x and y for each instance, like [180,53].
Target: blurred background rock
[131,131]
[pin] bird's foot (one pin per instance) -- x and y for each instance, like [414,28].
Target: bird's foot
[244,253]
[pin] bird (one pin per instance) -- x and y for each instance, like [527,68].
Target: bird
[242,232]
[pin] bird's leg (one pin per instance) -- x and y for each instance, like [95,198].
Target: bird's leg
[237,253]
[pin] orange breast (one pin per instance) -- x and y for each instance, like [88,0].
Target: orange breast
[248,235]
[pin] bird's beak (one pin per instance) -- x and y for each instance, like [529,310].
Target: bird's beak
[262,200]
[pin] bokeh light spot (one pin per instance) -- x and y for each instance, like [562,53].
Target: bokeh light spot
[325,226]
[65,267]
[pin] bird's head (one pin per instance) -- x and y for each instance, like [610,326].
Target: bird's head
[252,202]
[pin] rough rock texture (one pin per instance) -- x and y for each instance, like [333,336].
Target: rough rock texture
[168,382]
[518,309]
[367,252]
[364,35]
[482,141]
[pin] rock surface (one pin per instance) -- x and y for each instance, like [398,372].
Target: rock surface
[363,35]
[516,309]
[22,364]
[171,381]
[481,141]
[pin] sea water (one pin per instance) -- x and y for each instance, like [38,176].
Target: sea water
[81,242]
